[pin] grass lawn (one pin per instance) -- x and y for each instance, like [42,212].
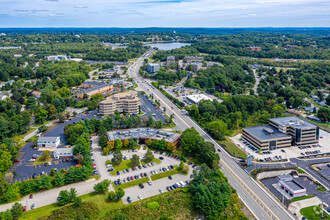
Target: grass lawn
[320,123]
[38,212]
[302,198]
[233,149]
[321,189]
[132,183]
[164,174]
[155,160]
[125,164]
[38,161]
[309,213]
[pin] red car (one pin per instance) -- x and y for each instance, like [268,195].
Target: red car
[24,208]
[94,164]
[132,178]
[94,168]
[16,161]
[31,196]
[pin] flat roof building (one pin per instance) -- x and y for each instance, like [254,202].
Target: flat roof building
[290,186]
[197,98]
[280,133]
[302,132]
[170,60]
[92,88]
[144,134]
[190,59]
[153,67]
[48,142]
[63,152]
[253,48]
[266,137]
[123,102]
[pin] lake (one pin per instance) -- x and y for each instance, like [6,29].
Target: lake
[168,46]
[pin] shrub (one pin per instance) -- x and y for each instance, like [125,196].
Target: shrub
[153,205]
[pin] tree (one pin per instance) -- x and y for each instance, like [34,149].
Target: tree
[149,156]
[111,196]
[16,210]
[118,144]
[72,194]
[120,193]
[324,114]
[155,144]
[148,142]
[85,96]
[132,143]
[52,172]
[125,143]
[77,202]
[102,187]
[150,122]
[103,141]
[59,179]
[117,157]
[60,117]
[63,198]
[162,145]
[42,128]
[45,155]
[67,115]
[135,161]
[328,100]
[170,147]
[74,113]
[41,115]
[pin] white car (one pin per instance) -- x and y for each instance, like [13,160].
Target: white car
[150,183]
[140,197]
[161,190]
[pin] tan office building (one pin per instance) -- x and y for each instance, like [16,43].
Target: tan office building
[123,102]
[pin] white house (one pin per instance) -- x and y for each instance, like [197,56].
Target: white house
[49,142]
[63,153]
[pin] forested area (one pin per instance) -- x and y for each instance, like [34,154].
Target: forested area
[235,112]
[233,77]
[272,45]
[179,53]
[122,54]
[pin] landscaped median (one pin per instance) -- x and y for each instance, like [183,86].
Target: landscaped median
[126,164]
[165,174]
[155,160]
[131,183]
[302,198]
[314,212]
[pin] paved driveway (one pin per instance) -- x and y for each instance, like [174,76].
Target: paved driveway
[150,109]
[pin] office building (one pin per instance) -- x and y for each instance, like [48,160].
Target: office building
[196,66]
[57,58]
[48,142]
[253,48]
[170,60]
[123,102]
[144,134]
[60,153]
[153,67]
[280,133]
[290,186]
[93,87]
[266,138]
[190,59]
[302,132]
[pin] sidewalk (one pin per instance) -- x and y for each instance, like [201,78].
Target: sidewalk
[33,133]
[296,206]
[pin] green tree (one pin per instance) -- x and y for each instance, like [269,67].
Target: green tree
[45,155]
[118,144]
[103,140]
[126,143]
[132,143]
[148,142]
[170,147]
[135,161]
[162,145]
[63,198]
[117,157]
[41,115]
[148,156]
[102,187]
[120,193]
[16,210]
[111,196]
[52,172]
[59,179]
[155,144]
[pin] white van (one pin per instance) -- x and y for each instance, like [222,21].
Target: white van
[183,184]
[109,165]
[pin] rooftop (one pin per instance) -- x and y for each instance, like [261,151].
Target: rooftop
[198,98]
[293,121]
[292,185]
[145,133]
[266,132]
[93,88]
[94,83]
[153,64]
[48,139]
[130,95]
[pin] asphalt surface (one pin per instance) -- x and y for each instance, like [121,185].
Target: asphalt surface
[257,199]
[150,109]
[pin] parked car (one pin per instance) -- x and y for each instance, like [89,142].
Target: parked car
[161,158]
[24,208]
[141,185]
[129,200]
[161,190]
[140,197]
[150,183]
[32,206]
[170,177]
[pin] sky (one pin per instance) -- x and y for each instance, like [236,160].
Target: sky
[164,13]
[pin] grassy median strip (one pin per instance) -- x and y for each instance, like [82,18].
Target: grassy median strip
[125,164]
[233,149]
[313,212]
[164,174]
[302,198]
[155,160]
[132,183]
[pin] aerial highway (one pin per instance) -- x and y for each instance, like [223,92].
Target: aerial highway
[257,199]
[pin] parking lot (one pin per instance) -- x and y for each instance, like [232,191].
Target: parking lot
[26,169]
[280,154]
[135,191]
[306,182]
[150,109]
[324,171]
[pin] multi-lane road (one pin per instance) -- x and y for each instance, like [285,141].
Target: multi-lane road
[258,200]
